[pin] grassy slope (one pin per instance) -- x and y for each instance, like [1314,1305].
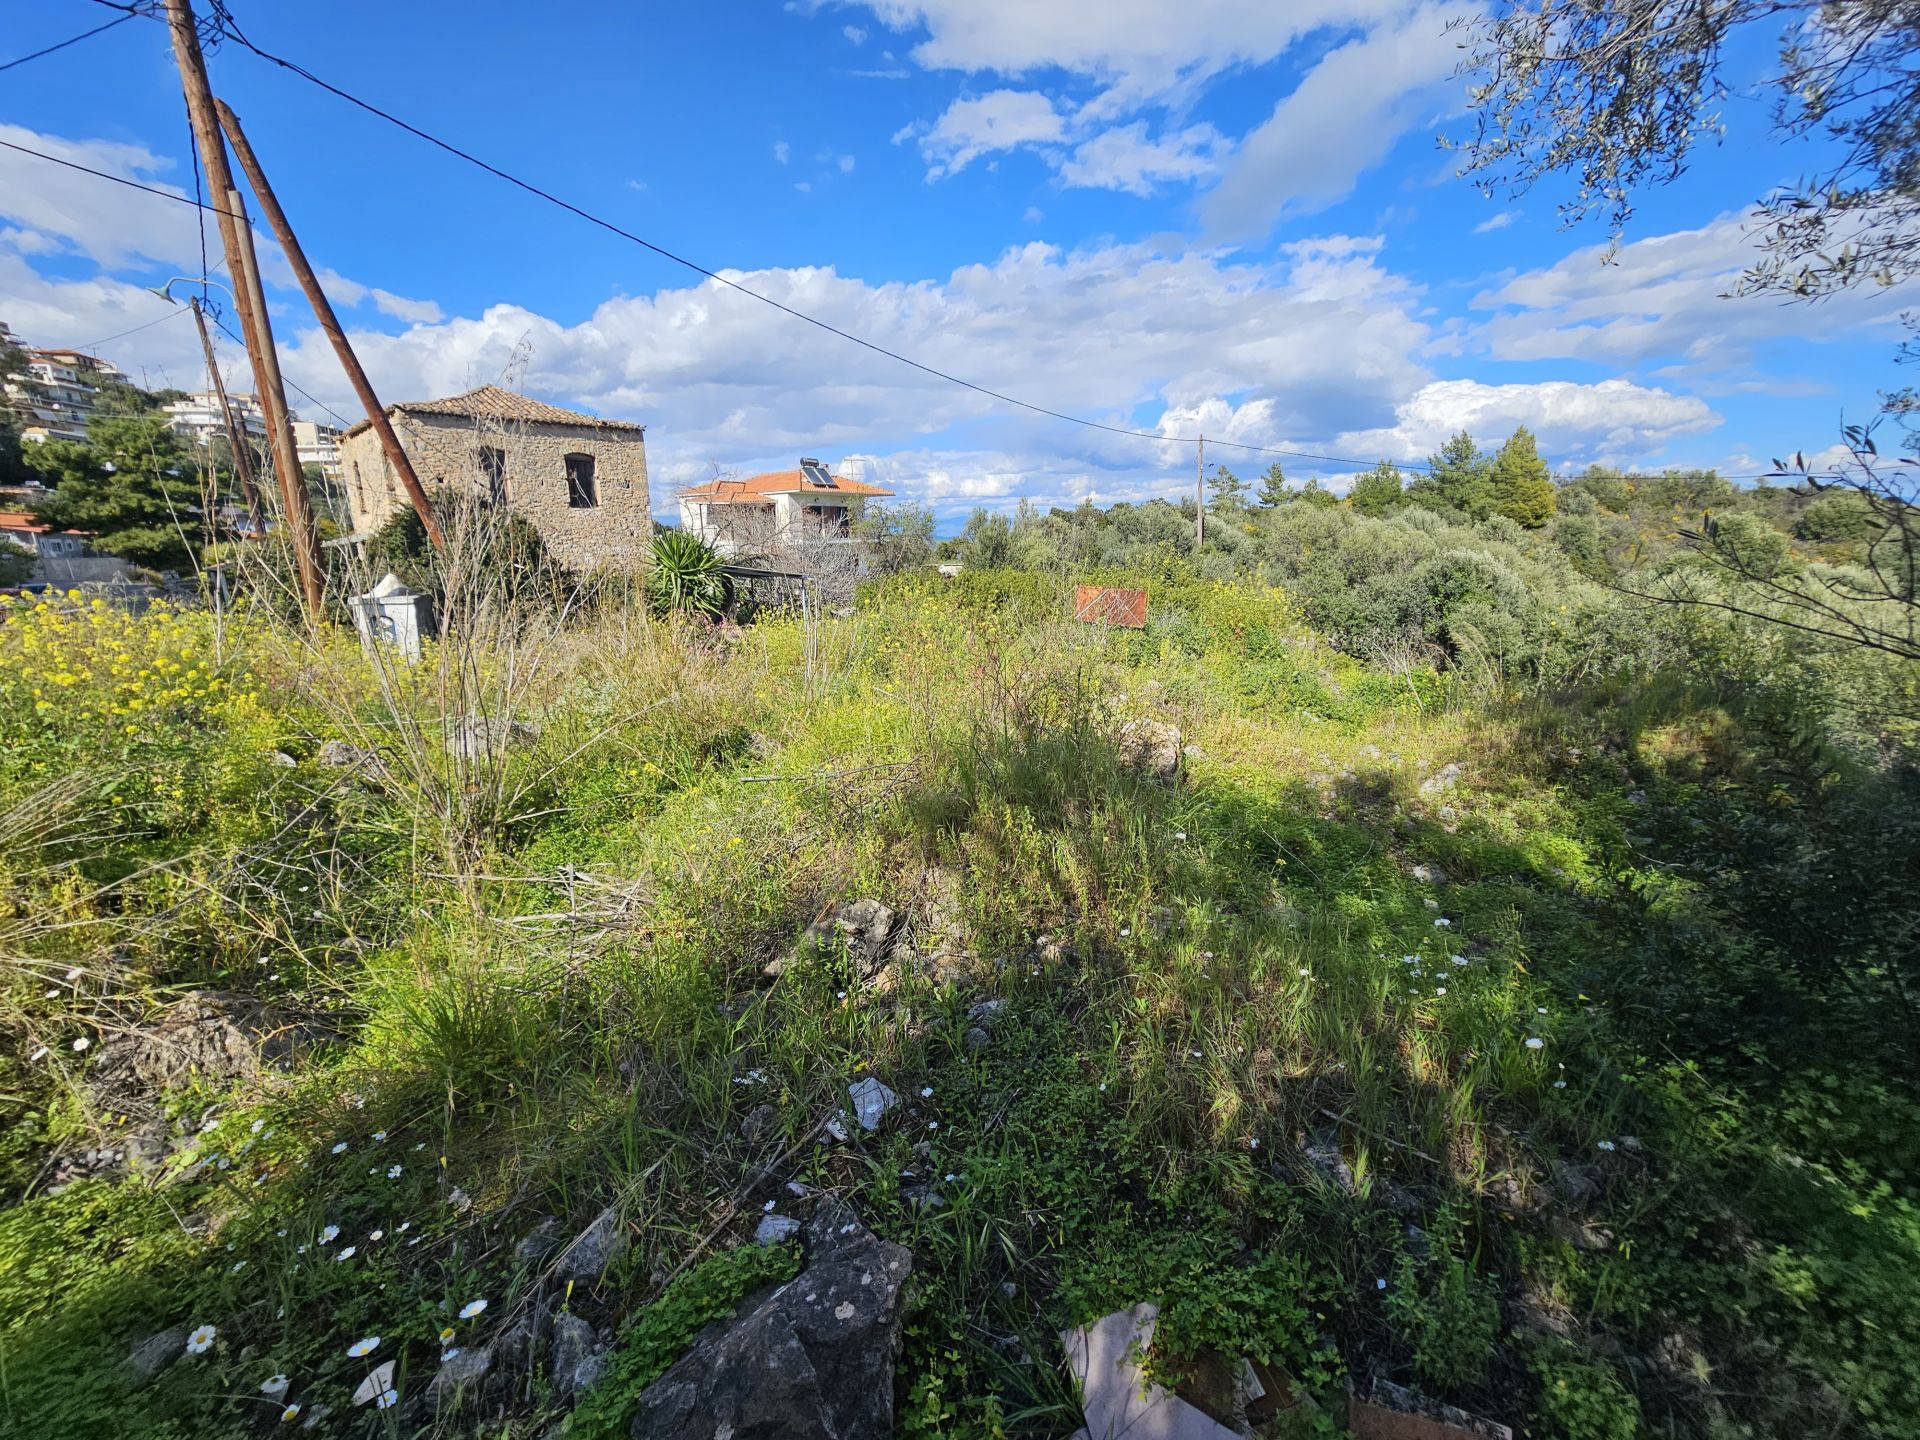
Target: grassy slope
[1222,982]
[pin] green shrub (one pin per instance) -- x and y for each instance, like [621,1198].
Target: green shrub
[1444,1314]
[1579,1398]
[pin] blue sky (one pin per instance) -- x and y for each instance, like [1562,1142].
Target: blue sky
[1215,215]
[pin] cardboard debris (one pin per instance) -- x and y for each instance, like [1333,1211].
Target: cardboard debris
[1115,1396]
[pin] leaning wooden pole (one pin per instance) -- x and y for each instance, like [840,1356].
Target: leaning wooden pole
[236,434]
[252,306]
[329,322]
[286,456]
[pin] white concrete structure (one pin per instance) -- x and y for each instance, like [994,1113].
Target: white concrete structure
[782,510]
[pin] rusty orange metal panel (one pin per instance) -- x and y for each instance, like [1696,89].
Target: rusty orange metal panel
[1106,605]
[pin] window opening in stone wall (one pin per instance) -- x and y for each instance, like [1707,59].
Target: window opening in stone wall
[583,492]
[493,466]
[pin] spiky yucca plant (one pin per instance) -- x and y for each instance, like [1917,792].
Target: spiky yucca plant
[685,576]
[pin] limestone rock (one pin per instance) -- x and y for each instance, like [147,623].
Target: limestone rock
[593,1249]
[479,736]
[573,1344]
[1152,745]
[759,1122]
[809,1360]
[154,1354]
[1441,781]
[360,760]
[863,927]
[538,1242]
[464,1371]
[775,1229]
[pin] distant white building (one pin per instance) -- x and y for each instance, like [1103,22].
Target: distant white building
[318,443]
[781,510]
[198,417]
[55,393]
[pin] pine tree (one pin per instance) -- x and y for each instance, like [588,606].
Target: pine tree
[1273,487]
[131,485]
[1377,491]
[1229,491]
[1521,488]
[1458,478]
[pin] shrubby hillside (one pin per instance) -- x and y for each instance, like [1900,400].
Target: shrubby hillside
[1413,960]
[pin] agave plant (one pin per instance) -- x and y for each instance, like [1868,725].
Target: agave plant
[685,576]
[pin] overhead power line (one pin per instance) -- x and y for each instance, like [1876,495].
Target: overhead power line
[235,33]
[224,24]
[120,179]
[122,334]
[71,40]
[227,331]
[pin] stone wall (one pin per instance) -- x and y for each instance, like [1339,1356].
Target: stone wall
[446,450]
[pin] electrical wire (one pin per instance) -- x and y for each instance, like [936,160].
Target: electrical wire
[72,40]
[234,32]
[122,334]
[119,179]
[227,331]
[224,24]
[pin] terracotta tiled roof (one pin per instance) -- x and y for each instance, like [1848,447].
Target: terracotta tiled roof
[775,482]
[490,402]
[20,520]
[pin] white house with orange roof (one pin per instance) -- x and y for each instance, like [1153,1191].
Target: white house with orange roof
[781,510]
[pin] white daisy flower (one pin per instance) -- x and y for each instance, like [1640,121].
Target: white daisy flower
[292,1412]
[81,1044]
[393,1171]
[446,1355]
[379,1135]
[767,1209]
[1534,1042]
[386,1400]
[1606,1145]
[472,1308]
[1443,923]
[201,1340]
[238,1266]
[328,1235]
[926,1092]
[446,1333]
[1559,1084]
[346,1254]
[256,1127]
[377,1235]
[1380,1284]
[341,1148]
[364,1347]
[274,1386]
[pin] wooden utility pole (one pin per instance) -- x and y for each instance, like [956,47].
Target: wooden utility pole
[1199,496]
[236,433]
[329,322]
[236,239]
[286,456]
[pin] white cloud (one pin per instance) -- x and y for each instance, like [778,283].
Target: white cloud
[1124,158]
[1139,49]
[1496,222]
[109,224]
[1339,121]
[1663,298]
[1611,421]
[1034,215]
[342,291]
[805,187]
[781,152]
[854,34]
[977,125]
[845,162]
